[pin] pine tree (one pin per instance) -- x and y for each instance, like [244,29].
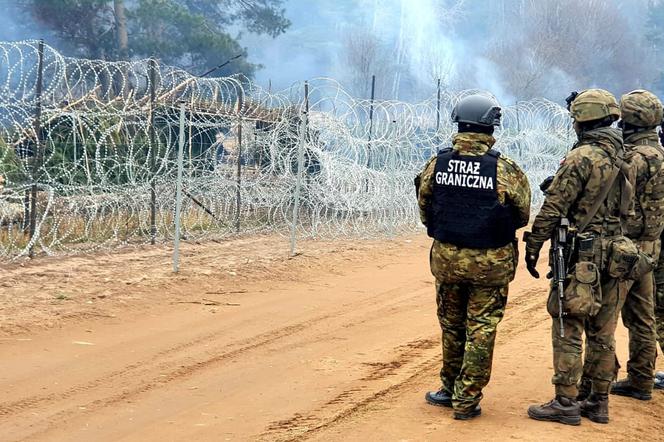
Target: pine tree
[192,34]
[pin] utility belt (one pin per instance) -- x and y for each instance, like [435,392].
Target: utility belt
[591,256]
[617,255]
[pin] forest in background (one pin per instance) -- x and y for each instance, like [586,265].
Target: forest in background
[518,49]
[195,35]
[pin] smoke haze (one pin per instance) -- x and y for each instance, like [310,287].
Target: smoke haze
[517,49]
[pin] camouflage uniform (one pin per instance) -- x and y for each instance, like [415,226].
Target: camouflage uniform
[659,280]
[576,186]
[641,113]
[471,284]
[638,313]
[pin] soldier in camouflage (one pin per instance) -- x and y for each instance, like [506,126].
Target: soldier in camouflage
[659,295]
[472,200]
[641,113]
[579,183]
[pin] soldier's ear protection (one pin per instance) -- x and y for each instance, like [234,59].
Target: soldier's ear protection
[570,99]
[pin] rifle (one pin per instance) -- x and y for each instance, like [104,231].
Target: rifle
[561,244]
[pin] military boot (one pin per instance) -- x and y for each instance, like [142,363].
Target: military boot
[625,388]
[561,409]
[439,398]
[475,412]
[584,387]
[659,384]
[659,380]
[596,408]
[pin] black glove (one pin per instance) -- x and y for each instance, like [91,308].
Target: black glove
[532,255]
[531,263]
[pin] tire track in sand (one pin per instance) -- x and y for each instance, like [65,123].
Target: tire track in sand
[146,375]
[412,361]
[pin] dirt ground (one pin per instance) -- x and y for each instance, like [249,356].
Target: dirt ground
[339,343]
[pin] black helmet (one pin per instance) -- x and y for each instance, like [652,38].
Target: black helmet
[479,110]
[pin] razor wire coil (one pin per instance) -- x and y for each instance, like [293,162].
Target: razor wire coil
[105,142]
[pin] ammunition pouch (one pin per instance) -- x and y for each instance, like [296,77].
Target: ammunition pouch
[624,259]
[583,292]
[588,248]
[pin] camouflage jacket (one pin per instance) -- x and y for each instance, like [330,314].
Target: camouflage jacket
[646,156]
[489,267]
[577,185]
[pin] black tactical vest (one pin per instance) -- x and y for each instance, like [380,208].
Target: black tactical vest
[465,210]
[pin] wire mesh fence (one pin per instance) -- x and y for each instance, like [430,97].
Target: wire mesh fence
[88,152]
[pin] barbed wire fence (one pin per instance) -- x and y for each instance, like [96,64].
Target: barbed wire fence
[88,152]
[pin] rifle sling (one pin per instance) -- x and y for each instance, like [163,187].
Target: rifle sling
[600,200]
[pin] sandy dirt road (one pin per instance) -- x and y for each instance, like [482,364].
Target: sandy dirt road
[340,343]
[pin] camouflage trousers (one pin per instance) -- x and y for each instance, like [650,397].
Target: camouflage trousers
[638,315]
[599,366]
[659,301]
[468,316]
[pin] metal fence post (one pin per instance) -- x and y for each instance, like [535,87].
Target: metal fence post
[392,170]
[178,194]
[37,159]
[240,105]
[438,108]
[152,66]
[371,113]
[518,131]
[435,147]
[300,167]
[73,132]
